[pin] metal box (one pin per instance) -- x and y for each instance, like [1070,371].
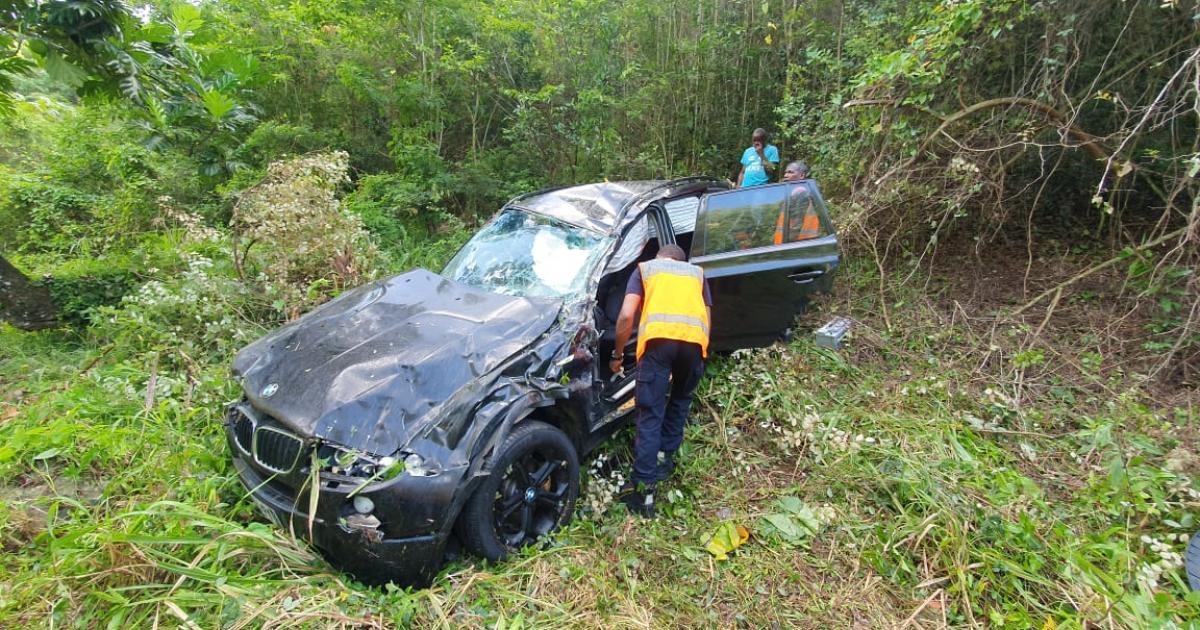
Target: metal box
[831,334]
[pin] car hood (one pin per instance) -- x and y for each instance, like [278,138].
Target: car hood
[364,370]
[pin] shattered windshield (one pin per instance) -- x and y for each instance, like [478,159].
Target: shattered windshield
[528,255]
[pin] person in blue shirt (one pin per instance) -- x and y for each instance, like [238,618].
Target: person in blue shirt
[758,161]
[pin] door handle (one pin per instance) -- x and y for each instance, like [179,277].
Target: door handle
[806,276]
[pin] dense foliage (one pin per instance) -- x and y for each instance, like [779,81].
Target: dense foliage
[1010,448]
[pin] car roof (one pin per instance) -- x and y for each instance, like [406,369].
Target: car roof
[604,206]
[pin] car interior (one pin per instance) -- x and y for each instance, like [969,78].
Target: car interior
[610,293]
[609,298]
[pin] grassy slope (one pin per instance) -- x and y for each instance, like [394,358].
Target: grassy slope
[958,504]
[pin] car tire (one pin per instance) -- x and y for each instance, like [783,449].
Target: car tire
[531,492]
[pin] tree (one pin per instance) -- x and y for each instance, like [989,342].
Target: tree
[183,96]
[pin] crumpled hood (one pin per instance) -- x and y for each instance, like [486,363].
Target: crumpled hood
[364,370]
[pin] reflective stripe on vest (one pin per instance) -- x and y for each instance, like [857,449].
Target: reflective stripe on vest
[672,304]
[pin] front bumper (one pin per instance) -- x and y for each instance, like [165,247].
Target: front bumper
[415,515]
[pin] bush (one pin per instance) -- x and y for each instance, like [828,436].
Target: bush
[86,284]
[38,216]
[293,237]
[202,312]
[79,180]
[274,140]
[409,230]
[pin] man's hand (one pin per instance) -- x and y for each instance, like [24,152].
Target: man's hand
[624,328]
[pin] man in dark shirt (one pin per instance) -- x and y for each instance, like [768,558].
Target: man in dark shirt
[676,308]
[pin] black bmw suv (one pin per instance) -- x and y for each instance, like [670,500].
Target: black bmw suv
[414,414]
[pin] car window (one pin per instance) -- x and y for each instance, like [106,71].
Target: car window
[525,254]
[683,213]
[631,245]
[759,217]
[740,219]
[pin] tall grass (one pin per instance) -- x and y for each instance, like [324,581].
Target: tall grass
[953,503]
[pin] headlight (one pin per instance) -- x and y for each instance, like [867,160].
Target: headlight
[350,463]
[415,466]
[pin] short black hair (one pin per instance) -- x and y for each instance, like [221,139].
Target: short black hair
[674,252]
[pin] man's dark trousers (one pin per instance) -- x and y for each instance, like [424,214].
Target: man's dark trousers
[666,366]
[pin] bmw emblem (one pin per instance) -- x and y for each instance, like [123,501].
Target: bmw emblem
[270,390]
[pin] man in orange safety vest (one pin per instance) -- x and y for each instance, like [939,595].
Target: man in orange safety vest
[672,343]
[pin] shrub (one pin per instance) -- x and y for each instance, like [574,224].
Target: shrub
[409,229]
[275,140]
[37,215]
[294,238]
[88,283]
[201,312]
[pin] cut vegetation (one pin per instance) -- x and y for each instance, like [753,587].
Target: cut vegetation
[921,476]
[1008,438]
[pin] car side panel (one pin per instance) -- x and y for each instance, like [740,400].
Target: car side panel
[757,294]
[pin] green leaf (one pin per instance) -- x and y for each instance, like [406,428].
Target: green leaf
[38,47]
[791,504]
[786,527]
[1117,476]
[62,70]
[46,454]
[725,538]
[217,104]
[156,33]
[186,18]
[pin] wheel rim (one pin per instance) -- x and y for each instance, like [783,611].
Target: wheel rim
[532,498]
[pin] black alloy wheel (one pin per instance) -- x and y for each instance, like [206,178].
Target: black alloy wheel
[531,499]
[530,493]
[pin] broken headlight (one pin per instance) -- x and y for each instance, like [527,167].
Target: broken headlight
[416,466]
[353,463]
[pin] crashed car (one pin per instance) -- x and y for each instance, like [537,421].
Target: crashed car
[427,412]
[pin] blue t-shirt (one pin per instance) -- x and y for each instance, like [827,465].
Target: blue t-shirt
[756,173]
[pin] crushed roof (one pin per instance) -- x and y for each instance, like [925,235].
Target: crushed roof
[594,206]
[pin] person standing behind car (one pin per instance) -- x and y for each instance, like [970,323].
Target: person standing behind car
[804,224]
[672,344]
[758,161]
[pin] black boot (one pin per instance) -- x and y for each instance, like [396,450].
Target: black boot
[666,466]
[639,498]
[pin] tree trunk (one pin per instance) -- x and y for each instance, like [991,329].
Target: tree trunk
[23,304]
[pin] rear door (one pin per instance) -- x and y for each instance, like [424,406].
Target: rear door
[764,250]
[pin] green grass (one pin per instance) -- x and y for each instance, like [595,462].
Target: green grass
[972,497]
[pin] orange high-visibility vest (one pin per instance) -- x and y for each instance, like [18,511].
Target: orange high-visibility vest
[810,228]
[672,304]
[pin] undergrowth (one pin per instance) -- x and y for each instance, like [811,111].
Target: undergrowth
[902,479]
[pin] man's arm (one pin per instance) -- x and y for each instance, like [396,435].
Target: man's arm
[767,162]
[768,165]
[624,329]
[741,174]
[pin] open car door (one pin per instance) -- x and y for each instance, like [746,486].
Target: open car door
[764,251]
